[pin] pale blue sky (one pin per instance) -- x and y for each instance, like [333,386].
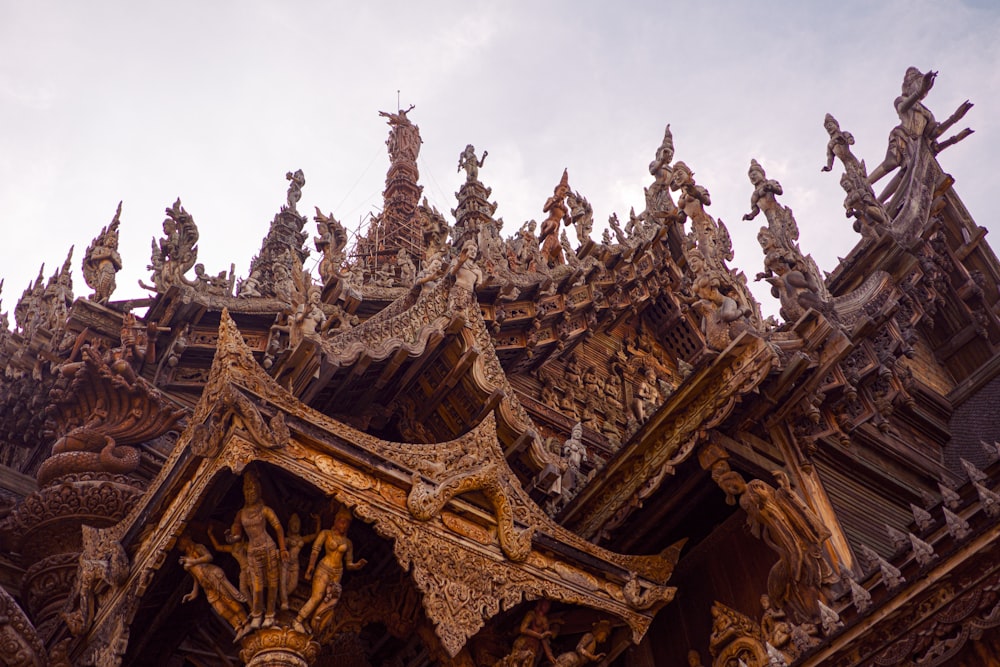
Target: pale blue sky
[214,102]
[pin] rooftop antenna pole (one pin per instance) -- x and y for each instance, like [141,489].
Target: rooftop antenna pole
[397,99]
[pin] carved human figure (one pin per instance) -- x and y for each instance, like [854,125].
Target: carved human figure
[101,261]
[251,286]
[917,127]
[586,648]
[774,624]
[468,161]
[238,550]
[574,453]
[404,137]
[659,168]
[220,593]
[839,146]
[558,212]
[694,659]
[465,269]
[861,199]
[284,285]
[407,269]
[532,639]
[263,556]
[309,317]
[765,189]
[338,555]
[294,540]
[296,180]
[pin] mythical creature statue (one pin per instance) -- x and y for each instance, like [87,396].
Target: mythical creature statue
[330,243]
[582,215]
[176,253]
[793,531]
[101,261]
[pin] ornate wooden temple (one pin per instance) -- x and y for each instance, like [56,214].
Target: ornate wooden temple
[450,446]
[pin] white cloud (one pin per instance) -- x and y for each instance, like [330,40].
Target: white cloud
[214,102]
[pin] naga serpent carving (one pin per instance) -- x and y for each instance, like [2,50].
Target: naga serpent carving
[85,450]
[427,499]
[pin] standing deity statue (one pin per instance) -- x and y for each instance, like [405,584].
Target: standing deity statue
[558,212]
[404,137]
[574,453]
[296,180]
[263,556]
[468,161]
[295,540]
[101,261]
[338,555]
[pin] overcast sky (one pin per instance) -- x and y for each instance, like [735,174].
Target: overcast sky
[213,102]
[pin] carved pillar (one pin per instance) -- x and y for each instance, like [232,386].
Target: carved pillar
[47,525]
[98,409]
[278,647]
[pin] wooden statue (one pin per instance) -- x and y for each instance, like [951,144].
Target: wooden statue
[586,648]
[790,528]
[220,593]
[263,556]
[532,639]
[101,261]
[325,576]
[558,212]
[468,161]
[295,540]
[917,127]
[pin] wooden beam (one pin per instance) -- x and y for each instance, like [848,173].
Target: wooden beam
[449,381]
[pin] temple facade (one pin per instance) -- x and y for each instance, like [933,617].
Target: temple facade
[448,445]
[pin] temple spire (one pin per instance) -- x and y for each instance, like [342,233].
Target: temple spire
[397,227]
